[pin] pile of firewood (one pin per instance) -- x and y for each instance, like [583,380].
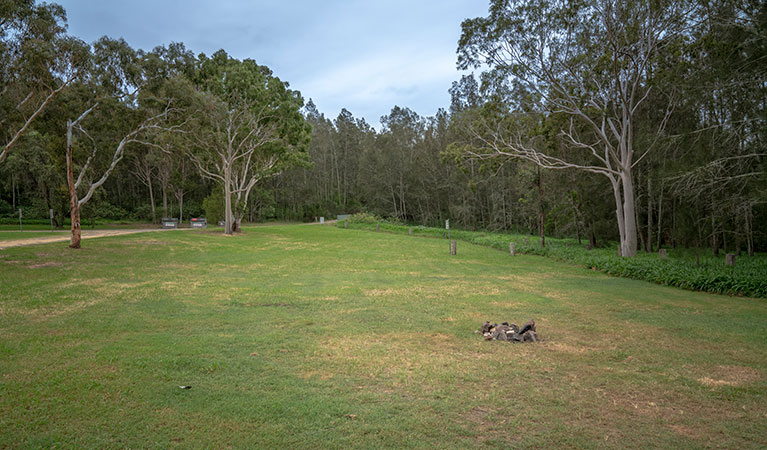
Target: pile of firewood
[509,332]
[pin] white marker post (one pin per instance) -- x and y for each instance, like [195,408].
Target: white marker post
[447,227]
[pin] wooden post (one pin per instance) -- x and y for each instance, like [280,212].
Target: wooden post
[378,227]
[452,247]
[662,253]
[512,250]
[410,231]
[729,259]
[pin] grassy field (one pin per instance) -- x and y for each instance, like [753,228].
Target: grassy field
[321,337]
[696,270]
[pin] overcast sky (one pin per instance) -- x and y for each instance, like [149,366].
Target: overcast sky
[365,56]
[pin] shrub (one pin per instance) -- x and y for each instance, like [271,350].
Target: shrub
[213,205]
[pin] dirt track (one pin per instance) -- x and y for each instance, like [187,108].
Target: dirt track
[63,236]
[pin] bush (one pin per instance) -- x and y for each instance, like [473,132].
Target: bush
[364,217]
[143,212]
[213,205]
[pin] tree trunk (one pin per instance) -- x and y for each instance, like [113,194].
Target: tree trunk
[541,210]
[151,196]
[228,200]
[629,246]
[649,247]
[714,237]
[180,197]
[165,200]
[660,216]
[74,205]
[750,230]
[619,212]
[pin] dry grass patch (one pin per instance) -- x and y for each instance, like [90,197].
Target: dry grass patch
[566,348]
[45,264]
[730,376]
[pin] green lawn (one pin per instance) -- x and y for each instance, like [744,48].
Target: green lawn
[321,337]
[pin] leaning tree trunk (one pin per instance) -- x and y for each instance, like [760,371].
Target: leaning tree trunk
[74,204]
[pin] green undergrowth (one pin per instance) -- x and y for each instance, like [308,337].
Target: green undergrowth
[680,269]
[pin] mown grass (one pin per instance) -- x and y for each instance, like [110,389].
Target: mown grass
[318,337]
[684,268]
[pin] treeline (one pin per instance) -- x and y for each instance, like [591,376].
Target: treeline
[651,117]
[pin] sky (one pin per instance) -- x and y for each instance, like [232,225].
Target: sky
[365,56]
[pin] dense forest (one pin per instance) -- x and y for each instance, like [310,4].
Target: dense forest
[642,123]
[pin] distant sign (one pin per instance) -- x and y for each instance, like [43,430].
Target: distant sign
[199,222]
[170,222]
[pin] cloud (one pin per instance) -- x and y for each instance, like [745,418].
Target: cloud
[360,55]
